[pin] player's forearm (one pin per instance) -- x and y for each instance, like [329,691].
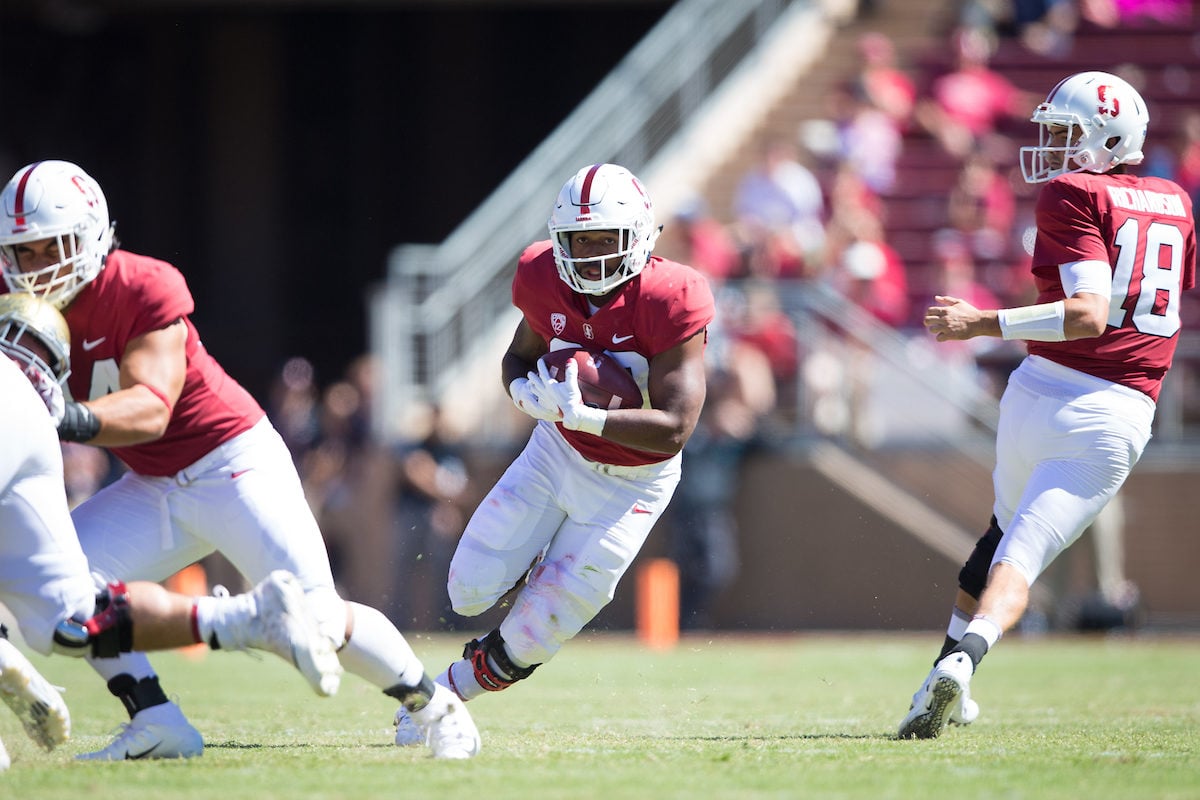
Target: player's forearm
[130,416]
[1082,316]
[1085,316]
[986,324]
[513,366]
[649,429]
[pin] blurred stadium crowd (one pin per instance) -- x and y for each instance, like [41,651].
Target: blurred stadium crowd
[908,185]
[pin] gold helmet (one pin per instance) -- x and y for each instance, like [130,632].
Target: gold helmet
[34,333]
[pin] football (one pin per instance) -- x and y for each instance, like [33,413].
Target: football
[603,382]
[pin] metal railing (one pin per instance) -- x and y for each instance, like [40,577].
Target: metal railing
[915,364]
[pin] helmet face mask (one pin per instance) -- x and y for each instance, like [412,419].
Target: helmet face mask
[602,197]
[1105,121]
[54,202]
[34,334]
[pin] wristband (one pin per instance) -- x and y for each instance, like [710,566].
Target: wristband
[1040,323]
[585,419]
[78,424]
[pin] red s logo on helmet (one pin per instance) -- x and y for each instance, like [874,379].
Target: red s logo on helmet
[1103,109]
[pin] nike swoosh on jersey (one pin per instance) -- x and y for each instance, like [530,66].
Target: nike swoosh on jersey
[91,345]
[638,509]
[619,339]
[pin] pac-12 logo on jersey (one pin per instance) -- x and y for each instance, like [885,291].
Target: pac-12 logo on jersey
[588,332]
[558,322]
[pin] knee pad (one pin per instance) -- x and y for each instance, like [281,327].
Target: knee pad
[972,578]
[71,638]
[467,601]
[551,610]
[483,586]
[108,633]
[483,653]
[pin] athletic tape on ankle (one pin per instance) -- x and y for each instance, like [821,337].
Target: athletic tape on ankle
[987,628]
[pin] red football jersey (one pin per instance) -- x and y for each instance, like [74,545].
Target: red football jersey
[664,305]
[1143,228]
[131,296]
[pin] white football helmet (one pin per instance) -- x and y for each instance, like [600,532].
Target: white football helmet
[1106,122]
[47,200]
[23,318]
[603,197]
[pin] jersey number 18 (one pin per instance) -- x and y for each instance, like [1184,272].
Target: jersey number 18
[1151,289]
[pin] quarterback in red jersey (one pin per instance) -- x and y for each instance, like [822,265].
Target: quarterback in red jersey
[207,470]
[1112,255]
[579,501]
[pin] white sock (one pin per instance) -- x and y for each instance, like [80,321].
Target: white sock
[460,677]
[379,653]
[134,664]
[958,624]
[226,618]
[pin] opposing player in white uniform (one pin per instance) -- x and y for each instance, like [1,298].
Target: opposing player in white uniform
[1112,256]
[44,578]
[207,470]
[569,515]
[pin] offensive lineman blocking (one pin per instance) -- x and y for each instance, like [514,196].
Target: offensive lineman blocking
[45,579]
[207,470]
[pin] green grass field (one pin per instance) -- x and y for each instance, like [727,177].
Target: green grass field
[749,717]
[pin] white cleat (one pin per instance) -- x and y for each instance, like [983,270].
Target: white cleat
[946,692]
[446,726]
[283,625]
[407,732]
[966,712]
[160,731]
[36,703]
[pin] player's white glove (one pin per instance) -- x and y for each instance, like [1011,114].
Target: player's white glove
[529,396]
[50,391]
[565,394]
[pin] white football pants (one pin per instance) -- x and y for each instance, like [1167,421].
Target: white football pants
[44,577]
[1066,443]
[581,521]
[243,499]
